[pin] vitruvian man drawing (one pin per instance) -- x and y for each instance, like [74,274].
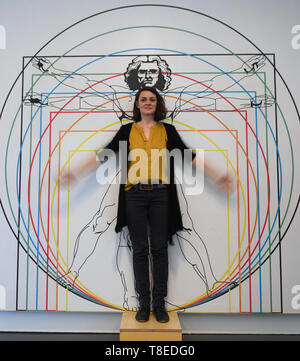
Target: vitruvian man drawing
[226,102]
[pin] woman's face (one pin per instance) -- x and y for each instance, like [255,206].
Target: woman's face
[147,103]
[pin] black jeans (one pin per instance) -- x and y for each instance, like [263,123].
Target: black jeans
[149,208]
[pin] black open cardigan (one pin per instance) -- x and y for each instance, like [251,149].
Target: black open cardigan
[173,141]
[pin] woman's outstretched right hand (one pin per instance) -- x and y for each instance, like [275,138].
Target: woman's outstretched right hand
[66,179]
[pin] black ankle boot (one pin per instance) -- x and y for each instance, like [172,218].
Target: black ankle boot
[143,313]
[160,313]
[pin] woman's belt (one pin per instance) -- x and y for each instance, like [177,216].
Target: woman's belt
[150,187]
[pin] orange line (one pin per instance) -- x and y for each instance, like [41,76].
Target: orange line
[237,170]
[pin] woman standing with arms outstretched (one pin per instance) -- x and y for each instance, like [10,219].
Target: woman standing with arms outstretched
[148,202]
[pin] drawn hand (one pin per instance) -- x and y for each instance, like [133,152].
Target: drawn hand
[254,64]
[260,101]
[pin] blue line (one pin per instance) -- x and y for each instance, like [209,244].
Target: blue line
[181,53]
[159,49]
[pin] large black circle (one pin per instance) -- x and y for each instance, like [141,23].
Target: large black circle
[166,6]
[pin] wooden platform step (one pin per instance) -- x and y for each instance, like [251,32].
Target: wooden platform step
[131,330]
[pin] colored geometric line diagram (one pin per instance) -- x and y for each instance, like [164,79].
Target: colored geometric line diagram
[230,102]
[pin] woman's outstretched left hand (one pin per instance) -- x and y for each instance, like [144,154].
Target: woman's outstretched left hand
[226,182]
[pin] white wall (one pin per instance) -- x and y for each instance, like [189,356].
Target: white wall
[267,23]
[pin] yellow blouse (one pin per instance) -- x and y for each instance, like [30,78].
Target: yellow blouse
[147,162]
